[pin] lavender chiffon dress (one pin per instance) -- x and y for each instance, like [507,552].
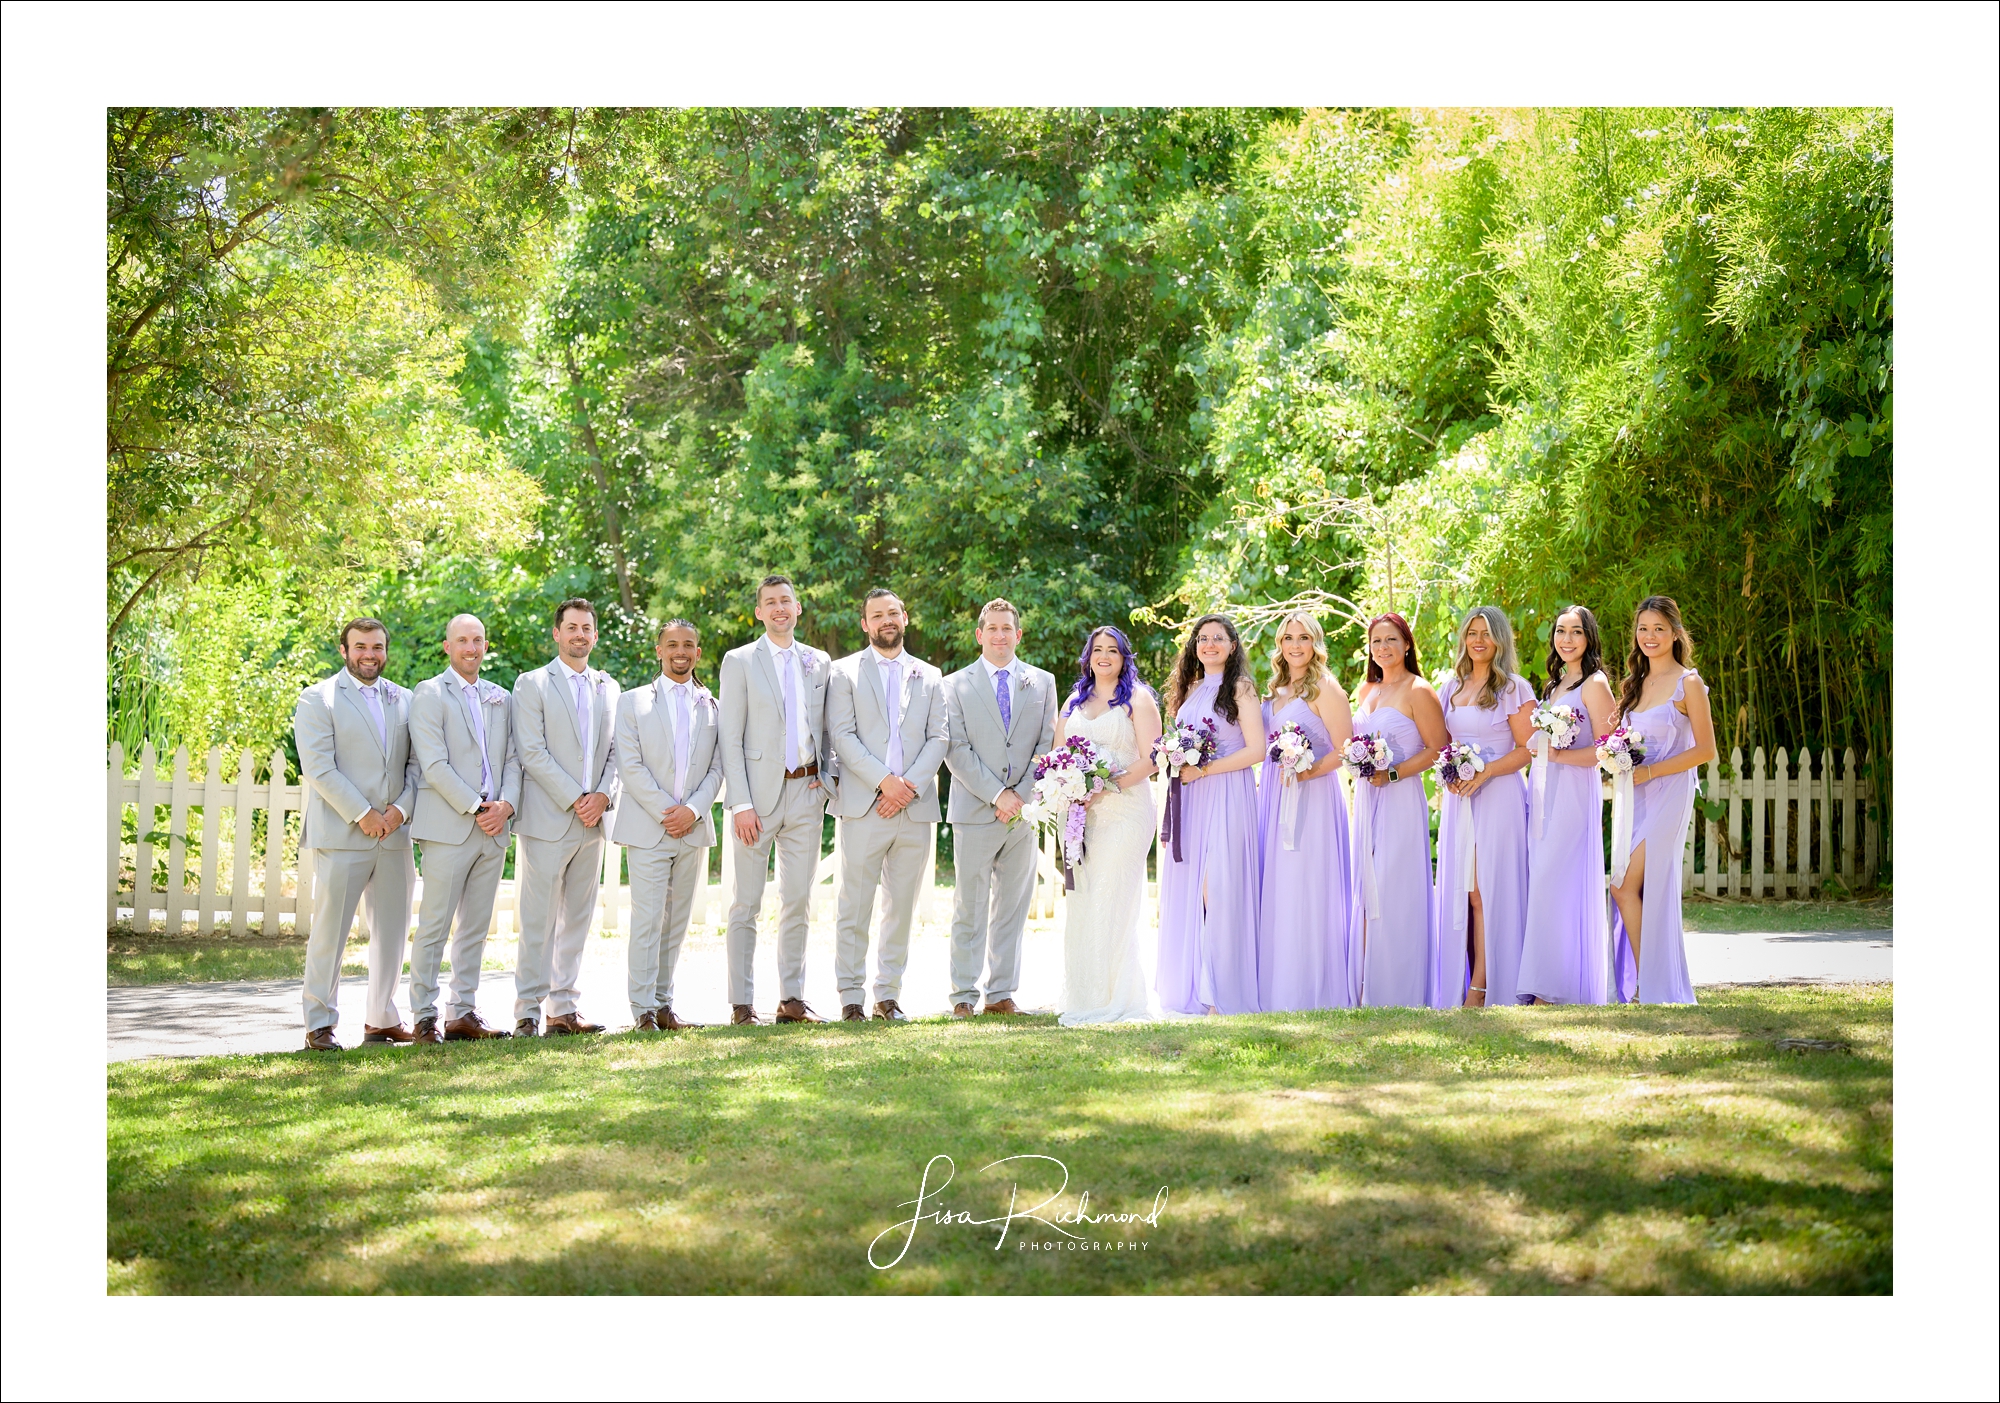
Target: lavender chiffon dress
[1660,813]
[1566,952]
[1308,935]
[1390,837]
[1483,841]
[1208,900]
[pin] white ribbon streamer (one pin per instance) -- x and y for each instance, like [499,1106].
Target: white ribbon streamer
[1288,810]
[1364,833]
[1462,881]
[1538,747]
[1621,827]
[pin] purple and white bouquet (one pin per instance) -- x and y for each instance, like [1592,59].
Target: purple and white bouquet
[1292,749]
[1292,752]
[1065,778]
[1457,764]
[1559,723]
[1621,752]
[1181,744]
[1362,756]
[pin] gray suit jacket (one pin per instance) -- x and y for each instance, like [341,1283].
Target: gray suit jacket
[646,768]
[857,715]
[345,769]
[984,758]
[448,758]
[753,724]
[552,759]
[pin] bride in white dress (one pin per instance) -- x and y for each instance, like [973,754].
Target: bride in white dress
[1103,979]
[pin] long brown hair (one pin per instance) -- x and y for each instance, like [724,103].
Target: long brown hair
[1188,670]
[1636,662]
[1374,673]
[1316,673]
[1592,660]
[1504,668]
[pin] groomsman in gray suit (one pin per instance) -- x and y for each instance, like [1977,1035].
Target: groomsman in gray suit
[775,756]
[563,720]
[353,734]
[886,713]
[670,764]
[468,787]
[1002,714]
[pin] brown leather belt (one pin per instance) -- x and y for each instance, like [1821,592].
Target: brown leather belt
[810,768]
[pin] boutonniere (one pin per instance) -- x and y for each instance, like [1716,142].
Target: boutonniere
[492,693]
[601,680]
[808,660]
[390,691]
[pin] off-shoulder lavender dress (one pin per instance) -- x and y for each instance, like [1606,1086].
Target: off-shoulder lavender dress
[1390,837]
[1208,900]
[1484,840]
[1566,946]
[1308,936]
[1660,812]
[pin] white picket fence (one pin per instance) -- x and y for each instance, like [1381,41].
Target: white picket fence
[241,880]
[1788,829]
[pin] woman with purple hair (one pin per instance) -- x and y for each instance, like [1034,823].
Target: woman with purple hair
[1211,878]
[1103,980]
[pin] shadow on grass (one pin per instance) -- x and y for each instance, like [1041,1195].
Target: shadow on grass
[1380,1151]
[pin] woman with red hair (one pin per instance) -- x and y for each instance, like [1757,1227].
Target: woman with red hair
[1402,962]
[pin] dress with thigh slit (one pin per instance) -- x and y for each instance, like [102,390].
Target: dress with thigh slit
[1483,841]
[1661,809]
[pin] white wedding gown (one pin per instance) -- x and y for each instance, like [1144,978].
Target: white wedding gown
[1103,979]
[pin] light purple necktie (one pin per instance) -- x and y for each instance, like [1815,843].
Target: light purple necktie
[1006,701]
[683,739]
[469,694]
[788,664]
[892,689]
[381,721]
[583,720]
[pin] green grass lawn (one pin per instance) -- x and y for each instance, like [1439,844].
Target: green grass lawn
[1516,1150]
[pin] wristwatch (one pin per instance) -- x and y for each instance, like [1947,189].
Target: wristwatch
[1393,776]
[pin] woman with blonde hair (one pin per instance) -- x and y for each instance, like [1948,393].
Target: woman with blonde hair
[1482,869]
[1665,701]
[1308,940]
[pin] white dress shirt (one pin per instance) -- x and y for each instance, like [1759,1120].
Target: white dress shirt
[677,698]
[375,704]
[587,720]
[468,693]
[789,657]
[1013,671]
[892,695]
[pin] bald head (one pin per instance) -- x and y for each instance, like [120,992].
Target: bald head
[465,645]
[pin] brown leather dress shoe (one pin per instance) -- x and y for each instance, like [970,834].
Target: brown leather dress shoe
[1000,1006]
[471,1026]
[563,1025]
[795,1011]
[645,1023]
[397,1034]
[526,1028]
[961,1010]
[853,1013]
[742,1013]
[670,1022]
[427,1031]
[321,1040]
[887,1010]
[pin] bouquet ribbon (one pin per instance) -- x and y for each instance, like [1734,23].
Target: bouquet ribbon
[1170,826]
[1538,746]
[1621,826]
[1288,810]
[1461,885]
[1364,832]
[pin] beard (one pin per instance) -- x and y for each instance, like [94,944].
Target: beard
[367,669]
[887,636]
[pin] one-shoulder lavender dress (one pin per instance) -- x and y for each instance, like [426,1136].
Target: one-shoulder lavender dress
[1484,840]
[1390,836]
[1208,899]
[1308,936]
[1566,947]
[1661,809]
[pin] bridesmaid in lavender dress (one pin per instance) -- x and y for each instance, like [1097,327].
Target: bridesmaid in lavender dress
[1402,962]
[1566,956]
[1208,897]
[1666,701]
[1308,940]
[1482,867]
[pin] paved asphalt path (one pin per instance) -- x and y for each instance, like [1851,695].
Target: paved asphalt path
[185,1020]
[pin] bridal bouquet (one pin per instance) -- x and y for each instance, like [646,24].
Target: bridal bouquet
[1458,763]
[1291,750]
[1559,723]
[1065,778]
[1362,756]
[1620,753]
[1180,745]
